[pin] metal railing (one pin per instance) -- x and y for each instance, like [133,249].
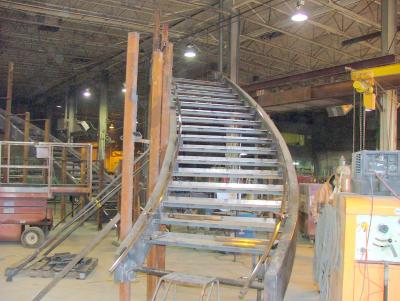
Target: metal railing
[278,267]
[47,165]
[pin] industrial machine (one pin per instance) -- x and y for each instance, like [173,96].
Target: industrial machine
[358,237]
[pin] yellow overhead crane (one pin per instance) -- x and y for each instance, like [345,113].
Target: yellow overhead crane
[364,82]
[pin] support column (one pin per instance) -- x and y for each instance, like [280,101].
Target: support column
[388,116]
[388,121]
[71,102]
[7,125]
[221,39]
[103,116]
[130,116]
[156,257]
[389,26]
[26,147]
[234,56]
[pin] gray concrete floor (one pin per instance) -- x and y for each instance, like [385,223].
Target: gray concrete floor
[100,286]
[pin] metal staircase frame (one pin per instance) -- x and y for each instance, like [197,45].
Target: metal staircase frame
[276,269]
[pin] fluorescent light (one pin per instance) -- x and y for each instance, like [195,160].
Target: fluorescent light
[87,93]
[299,17]
[190,52]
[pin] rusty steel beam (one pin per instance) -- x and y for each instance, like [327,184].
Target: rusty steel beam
[166,94]
[342,92]
[331,71]
[156,256]
[130,116]
[156,33]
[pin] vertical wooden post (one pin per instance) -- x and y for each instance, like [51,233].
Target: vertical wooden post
[130,116]
[26,147]
[7,125]
[156,257]
[166,94]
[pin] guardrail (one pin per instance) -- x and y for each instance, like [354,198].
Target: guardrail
[46,165]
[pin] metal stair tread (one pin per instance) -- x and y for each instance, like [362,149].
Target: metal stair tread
[227,173]
[210,120]
[225,139]
[265,189]
[194,112]
[227,204]
[185,86]
[209,242]
[218,222]
[218,129]
[216,100]
[227,149]
[213,106]
[208,93]
[199,82]
[203,160]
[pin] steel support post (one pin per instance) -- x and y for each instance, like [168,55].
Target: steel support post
[130,116]
[63,207]
[221,38]
[234,48]
[26,147]
[83,172]
[103,115]
[71,102]
[156,257]
[166,94]
[101,187]
[388,116]
[388,121]
[7,125]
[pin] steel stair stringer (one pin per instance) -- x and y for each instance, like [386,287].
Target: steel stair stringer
[232,149]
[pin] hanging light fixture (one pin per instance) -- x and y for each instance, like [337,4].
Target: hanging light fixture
[190,51]
[300,15]
[87,93]
[111,127]
[124,88]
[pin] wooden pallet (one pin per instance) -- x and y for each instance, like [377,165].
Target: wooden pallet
[48,267]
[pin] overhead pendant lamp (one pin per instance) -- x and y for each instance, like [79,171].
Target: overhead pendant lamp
[300,15]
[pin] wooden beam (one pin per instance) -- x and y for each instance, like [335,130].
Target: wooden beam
[156,257]
[130,116]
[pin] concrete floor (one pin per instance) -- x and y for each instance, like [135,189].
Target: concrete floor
[100,286]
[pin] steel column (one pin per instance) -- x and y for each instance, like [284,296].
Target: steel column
[389,26]
[7,126]
[71,102]
[130,116]
[221,38]
[103,115]
[234,48]
[156,257]
[26,147]
[388,121]
[166,94]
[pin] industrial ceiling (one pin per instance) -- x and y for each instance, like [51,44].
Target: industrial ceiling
[56,41]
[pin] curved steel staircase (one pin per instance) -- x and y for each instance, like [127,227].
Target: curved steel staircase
[227,184]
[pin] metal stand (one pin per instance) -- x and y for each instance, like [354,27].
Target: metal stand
[171,280]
